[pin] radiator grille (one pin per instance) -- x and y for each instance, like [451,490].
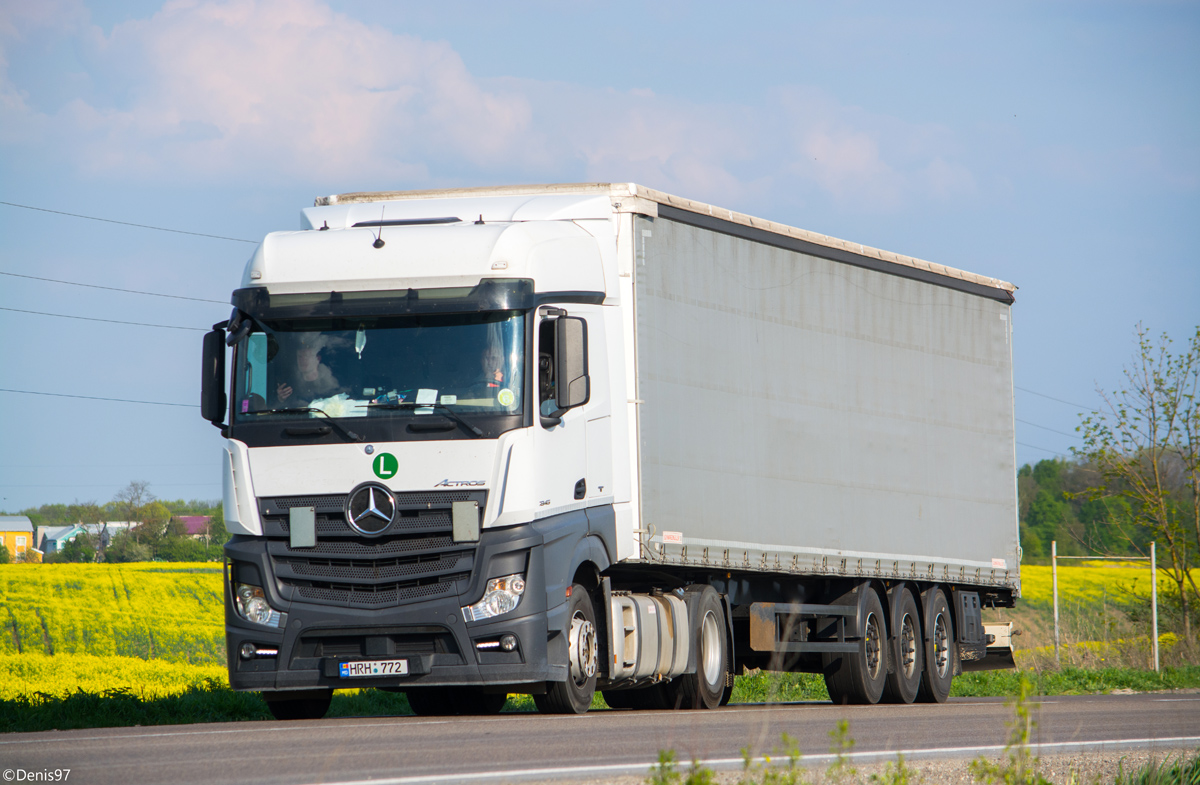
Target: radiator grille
[414,559]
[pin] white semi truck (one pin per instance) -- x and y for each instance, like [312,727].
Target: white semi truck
[566,438]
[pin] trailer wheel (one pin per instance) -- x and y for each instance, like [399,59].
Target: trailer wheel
[705,688]
[859,677]
[907,650]
[453,701]
[311,707]
[939,649]
[574,696]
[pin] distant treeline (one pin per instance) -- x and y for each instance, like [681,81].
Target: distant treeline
[1055,505]
[158,535]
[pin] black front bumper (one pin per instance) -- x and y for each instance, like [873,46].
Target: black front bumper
[313,638]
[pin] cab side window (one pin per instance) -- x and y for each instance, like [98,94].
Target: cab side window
[546,388]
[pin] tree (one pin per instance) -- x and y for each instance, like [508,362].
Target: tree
[1144,442]
[125,548]
[80,549]
[131,502]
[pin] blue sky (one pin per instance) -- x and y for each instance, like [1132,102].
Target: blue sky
[1053,145]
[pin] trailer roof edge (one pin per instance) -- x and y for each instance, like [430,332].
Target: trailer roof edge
[618,190]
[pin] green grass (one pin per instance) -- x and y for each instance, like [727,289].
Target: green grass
[1184,770]
[763,687]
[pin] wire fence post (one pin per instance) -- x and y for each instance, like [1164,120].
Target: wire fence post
[1154,601]
[1054,575]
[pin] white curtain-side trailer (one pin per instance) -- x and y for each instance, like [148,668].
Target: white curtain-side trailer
[566,438]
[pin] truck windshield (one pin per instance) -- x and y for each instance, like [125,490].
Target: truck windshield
[382,367]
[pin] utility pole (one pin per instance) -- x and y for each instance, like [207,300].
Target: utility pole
[1054,575]
[1154,601]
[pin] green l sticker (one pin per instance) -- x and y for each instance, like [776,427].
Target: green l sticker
[385,466]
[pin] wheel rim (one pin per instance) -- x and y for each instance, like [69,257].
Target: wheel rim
[941,647]
[710,648]
[584,652]
[872,649]
[908,646]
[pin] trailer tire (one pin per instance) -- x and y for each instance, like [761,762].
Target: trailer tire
[705,688]
[940,654]
[907,649]
[859,677]
[574,696]
[454,702]
[306,708]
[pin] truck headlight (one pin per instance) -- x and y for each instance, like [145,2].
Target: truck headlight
[252,605]
[501,596]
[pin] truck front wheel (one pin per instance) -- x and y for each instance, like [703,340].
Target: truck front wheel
[574,696]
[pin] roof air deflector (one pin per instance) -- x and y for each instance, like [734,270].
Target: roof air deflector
[410,222]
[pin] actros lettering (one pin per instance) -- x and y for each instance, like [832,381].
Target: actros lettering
[459,483]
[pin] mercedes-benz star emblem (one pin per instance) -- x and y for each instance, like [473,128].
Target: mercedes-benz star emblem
[370,509]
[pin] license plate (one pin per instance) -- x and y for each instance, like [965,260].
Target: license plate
[373,668]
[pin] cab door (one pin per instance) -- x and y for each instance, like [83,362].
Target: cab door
[563,403]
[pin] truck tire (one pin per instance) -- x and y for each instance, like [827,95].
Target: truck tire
[310,707]
[454,701]
[859,677]
[907,649]
[574,696]
[705,688]
[939,648]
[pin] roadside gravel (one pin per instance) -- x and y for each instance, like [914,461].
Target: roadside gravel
[1065,769]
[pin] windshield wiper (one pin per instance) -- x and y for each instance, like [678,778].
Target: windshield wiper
[314,410]
[453,415]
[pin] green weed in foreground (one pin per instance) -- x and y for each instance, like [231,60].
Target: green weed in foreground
[1019,767]
[1183,770]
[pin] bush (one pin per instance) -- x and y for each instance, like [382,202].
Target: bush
[124,548]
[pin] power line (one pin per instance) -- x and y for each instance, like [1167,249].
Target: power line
[96,398]
[1052,398]
[111,484]
[109,321]
[1044,428]
[1043,449]
[127,223]
[114,289]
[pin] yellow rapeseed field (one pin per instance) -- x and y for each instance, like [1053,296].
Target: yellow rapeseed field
[1088,584]
[155,627]
[28,674]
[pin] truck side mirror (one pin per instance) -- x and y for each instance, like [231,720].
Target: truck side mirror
[213,401]
[571,362]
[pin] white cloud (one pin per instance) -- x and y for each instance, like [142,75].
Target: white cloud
[290,90]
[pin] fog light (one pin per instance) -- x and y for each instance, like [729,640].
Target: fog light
[508,642]
[248,651]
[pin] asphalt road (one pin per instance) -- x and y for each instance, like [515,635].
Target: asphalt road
[519,747]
